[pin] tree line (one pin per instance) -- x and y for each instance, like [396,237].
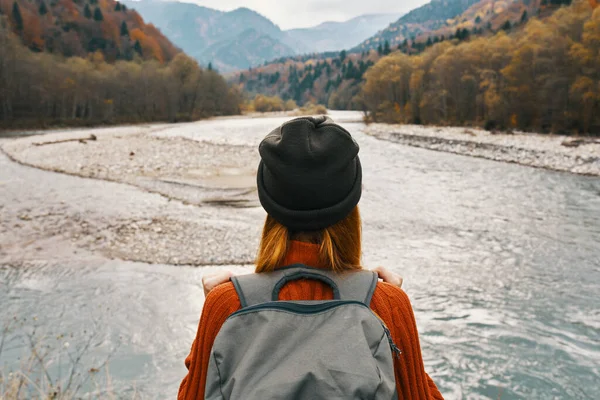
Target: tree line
[39,89]
[543,77]
[332,81]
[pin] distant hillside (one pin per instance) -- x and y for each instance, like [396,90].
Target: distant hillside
[79,27]
[336,36]
[540,74]
[429,17]
[488,15]
[334,79]
[231,40]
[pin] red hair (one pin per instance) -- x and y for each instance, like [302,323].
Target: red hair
[340,244]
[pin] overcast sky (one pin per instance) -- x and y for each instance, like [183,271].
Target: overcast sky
[290,14]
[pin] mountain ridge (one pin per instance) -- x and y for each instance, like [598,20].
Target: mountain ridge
[204,33]
[430,16]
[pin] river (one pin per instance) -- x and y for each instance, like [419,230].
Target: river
[501,262]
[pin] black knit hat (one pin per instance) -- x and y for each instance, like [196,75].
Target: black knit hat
[309,176]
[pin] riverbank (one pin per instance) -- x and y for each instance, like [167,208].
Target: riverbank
[554,152]
[201,180]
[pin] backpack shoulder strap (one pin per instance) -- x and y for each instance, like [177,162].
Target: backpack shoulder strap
[264,287]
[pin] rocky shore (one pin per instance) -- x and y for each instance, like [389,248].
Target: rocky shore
[183,214]
[559,153]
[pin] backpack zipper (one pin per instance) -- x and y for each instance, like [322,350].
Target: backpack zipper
[315,308]
[395,350]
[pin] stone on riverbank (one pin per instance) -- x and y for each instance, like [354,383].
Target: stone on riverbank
[534,150]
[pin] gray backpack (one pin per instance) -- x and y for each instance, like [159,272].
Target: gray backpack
[305,350]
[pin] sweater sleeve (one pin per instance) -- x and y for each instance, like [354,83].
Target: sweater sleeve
[393,307]
[220,303]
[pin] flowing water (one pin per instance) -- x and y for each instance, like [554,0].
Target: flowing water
[501,262]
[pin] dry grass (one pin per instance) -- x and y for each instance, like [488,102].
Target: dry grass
[311,109]
[53,372]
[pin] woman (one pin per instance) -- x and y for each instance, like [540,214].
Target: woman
[309,182]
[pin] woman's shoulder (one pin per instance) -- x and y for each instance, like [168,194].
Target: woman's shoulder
[393,306]
[222,300]
[390,297]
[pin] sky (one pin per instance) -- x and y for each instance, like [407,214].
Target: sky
[290,14]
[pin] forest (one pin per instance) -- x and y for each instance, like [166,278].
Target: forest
[532,66]
[79,27]
[85,73]
[543,77]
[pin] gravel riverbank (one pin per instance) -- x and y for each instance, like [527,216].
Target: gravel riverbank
[534,150]
[206,180]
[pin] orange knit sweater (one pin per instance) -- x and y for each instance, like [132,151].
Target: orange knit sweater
[389,302]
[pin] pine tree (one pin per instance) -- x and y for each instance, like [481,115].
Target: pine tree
[429,41]
[478,19]
[43,10]
[342,55]
[465,34]
[386,48]
[210,68]
[138,47]
[124,30]
[524,16]
[87,12]
[98,15]
[118,6]
[379,49]
[506,26]
[16,12]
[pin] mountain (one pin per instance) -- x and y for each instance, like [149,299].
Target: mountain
[232,40]
[336,36]
[242,38]
[248,49]
[428,17]
[80,27]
